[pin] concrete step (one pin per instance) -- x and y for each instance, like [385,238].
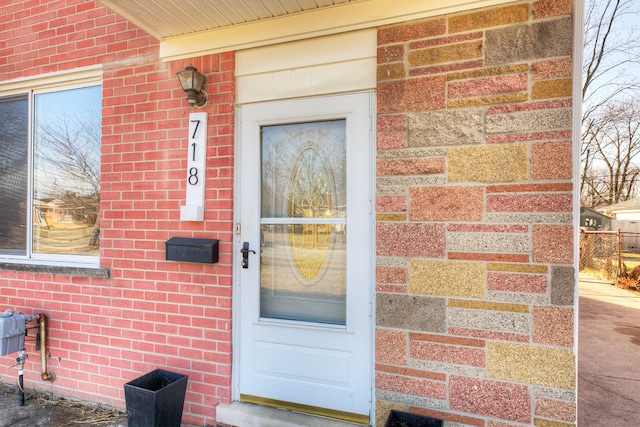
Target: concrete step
[242,414]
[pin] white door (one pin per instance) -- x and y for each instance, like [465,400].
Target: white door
[306,277]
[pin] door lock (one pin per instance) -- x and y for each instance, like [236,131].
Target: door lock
[245,254]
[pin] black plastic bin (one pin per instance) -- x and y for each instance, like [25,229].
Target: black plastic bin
[406,419]
[155,399]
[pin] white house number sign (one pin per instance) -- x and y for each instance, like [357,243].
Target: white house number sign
[196,168]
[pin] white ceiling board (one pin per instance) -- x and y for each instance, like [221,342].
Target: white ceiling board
[170,18]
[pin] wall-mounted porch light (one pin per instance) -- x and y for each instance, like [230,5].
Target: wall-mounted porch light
[191,81]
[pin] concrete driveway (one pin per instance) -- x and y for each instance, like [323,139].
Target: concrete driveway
[608,356]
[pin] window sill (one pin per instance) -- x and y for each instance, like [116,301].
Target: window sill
[100,272]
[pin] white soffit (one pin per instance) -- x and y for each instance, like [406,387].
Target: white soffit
[212,26]
[170,18]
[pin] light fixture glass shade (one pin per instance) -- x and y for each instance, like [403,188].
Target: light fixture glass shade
[191,81]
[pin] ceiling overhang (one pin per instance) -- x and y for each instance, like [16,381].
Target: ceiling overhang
[213,26]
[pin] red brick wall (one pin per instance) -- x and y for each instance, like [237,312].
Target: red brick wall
[151,313]
[39,37]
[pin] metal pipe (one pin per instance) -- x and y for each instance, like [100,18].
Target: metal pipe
[22,356]
[42,322]
[21,387]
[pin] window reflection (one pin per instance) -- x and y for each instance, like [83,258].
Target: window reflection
[303,281]
[302,166]
[303,231]
[66,162]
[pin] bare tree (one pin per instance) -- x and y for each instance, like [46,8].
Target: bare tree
[67,153]
[613,133]
[611,50]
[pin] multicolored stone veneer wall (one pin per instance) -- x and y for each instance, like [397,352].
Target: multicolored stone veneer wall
[475,277]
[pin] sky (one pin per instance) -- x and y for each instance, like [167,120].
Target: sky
[623,44]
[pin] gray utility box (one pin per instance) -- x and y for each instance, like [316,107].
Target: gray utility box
[12,331]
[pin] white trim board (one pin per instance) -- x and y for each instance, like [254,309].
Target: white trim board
[76,76]
[329,65]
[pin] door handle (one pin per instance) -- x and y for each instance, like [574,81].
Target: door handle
[245,254]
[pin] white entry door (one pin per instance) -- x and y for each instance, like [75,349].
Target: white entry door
[306,279]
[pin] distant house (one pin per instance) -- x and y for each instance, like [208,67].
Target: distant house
[625,217]
[629,210]
[591,218]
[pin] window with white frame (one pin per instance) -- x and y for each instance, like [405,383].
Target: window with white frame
[50,175]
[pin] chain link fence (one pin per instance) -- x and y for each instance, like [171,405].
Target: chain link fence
[609,254]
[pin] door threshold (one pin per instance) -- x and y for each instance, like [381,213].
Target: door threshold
[244,414]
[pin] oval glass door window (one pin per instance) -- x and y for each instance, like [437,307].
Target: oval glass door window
[303,222]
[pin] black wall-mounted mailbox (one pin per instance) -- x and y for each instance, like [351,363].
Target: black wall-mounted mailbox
[192,250]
